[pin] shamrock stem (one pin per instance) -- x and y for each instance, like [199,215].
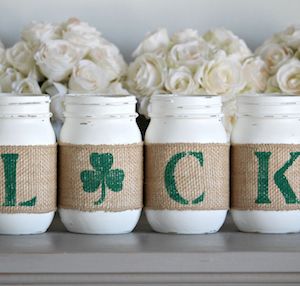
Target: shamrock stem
[103,193]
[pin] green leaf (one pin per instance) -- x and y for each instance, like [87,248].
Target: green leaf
[91,180]
[114,180]
[101,162]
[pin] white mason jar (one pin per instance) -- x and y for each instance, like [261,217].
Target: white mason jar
[267,119]
[100,120]
[185,119]
[25,121]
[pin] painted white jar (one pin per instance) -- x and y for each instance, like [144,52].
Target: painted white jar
[185,119]
[267,119]
[107,121]
[25,121]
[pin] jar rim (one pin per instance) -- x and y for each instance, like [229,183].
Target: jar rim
[23,98]
[267,94]
[268,99]
[185,95]
[41,95]
[185,106]
[99,95]
[99,99]
[188,99]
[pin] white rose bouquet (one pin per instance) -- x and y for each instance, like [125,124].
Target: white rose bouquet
[281,54]
[71,57]
[216,63]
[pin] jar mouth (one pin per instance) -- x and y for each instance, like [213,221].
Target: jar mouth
[271,105]
[23,99]
[269,94]
[270,99]
[99,99]
[99,95]
[175,95]
[185,106]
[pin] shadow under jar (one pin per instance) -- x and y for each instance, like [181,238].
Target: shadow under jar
[28,164]
[100,165]
[265,164]
[187,164]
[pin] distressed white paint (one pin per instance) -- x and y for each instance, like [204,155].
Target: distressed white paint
[185,119]
[269,119]
[25,120]
[96,120]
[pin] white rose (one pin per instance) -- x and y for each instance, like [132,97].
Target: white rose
[238,48]
[20,56]
[198,77]
[143,105]
[36,74]
[27,85]
[116,88]
[272,85]
[297,54]
[3,62]
[57,107]
[275,39]
[2,69]
[227,41]
[222,75]
[156,42]
[81,35]
[288,77]
[109,58]
[2,53]
[56,59]
[219,37]
[180,81]
[190,54]
[87,77]
[184,36]
[146,75]
[229,110]
[291,36]
[52,88]
[9,79]
[255,74]
[274,55]
[39,32]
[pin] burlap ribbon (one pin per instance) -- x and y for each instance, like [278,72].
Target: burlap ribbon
[265,177]
[101,177]
[28,179]
[187,176]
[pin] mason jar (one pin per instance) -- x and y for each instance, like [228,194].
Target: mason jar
[265,194]
[100,164]
[28,164]
[187,164]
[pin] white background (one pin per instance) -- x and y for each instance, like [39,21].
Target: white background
[125,22]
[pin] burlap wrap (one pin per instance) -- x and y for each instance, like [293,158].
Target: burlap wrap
[245,182]
[190,177]
[35,179]
[73,159]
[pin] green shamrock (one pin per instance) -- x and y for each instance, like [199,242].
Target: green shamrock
[102,175]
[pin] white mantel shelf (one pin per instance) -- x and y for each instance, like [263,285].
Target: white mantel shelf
[145,257]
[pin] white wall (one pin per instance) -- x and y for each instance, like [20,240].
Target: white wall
[126,21]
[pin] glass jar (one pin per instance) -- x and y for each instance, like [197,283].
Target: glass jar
[101,165]
[264,195]
[185,142]
[28,167]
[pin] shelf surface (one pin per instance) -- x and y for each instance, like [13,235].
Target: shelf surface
[143,254]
